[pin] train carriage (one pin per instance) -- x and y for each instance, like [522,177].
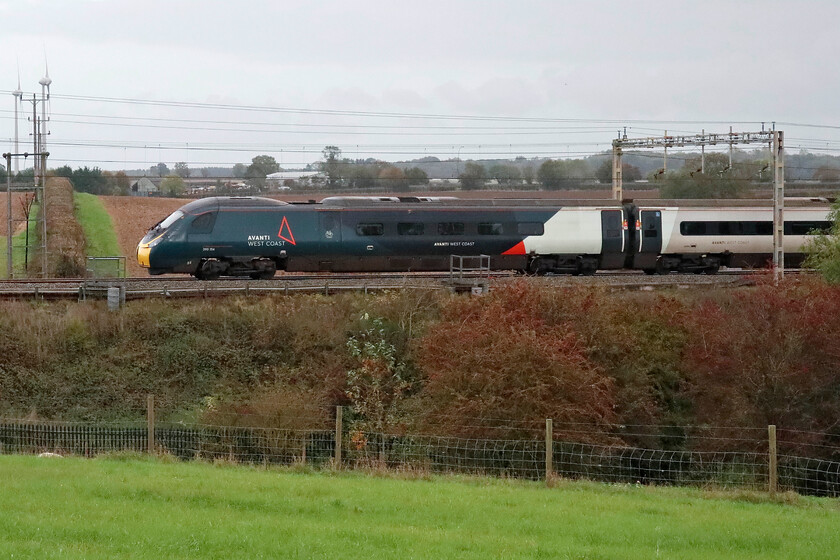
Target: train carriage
[252,236]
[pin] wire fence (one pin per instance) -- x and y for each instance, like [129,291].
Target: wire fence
[540,457]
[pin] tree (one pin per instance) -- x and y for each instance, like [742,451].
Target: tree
[393,177]
[182,170]
[827,174]
[332,165]
[528,174]
[553,174]
[173,185]
[89,180]
[122,184]
[63,171]
[717,181]
[823,249]
[416,176]
[379,380]
[160,170]
[362,176]
[769,356]
[505,174]
[260,167]
[543,372]
[629,173]
[240,170]
[473,176]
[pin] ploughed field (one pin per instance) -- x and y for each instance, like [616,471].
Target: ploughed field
[17,212]
[132,217]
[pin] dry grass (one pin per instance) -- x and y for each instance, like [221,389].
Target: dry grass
[66,239]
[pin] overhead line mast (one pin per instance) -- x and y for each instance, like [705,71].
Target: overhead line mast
[774,138]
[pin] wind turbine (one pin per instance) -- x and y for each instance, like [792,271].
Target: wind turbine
[45,95]
[18,94]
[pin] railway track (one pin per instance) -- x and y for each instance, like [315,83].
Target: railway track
[327,283]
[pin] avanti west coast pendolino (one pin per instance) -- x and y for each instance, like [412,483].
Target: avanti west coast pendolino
[252,236]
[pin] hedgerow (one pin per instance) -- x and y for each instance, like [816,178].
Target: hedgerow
[438,363]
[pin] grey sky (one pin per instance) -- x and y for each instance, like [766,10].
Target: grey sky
[639,63]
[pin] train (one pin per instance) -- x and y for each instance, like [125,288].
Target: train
[255,236]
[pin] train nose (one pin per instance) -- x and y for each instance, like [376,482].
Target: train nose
[143,251]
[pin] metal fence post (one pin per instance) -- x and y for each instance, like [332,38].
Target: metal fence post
[549,450]
[773,475]
[150,422]
[338,428]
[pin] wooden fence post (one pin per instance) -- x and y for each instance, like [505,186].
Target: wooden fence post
[549,450]
[773,475]
[338,427]
[150,422]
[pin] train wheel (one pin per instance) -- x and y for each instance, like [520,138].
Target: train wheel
[711,269]
[661,268]
[266,271]
[208,270]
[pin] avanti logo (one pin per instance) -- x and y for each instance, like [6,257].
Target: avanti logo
[285,232]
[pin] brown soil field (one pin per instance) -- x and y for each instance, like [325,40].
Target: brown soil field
[132,217]
[17,212]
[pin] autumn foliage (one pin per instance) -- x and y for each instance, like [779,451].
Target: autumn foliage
[638,368]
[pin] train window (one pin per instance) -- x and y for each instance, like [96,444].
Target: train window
[726,228]
[693,228]
[489,229]
[174,217]
[612,223]
[203,223]
[530,228]
[806,227]
[451,228]
[410,228]
[370,229]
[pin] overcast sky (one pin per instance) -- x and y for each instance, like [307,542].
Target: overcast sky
[578,70]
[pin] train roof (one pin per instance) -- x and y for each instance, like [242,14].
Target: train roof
[382,202]
[215,202]
[790,202]
[451,201]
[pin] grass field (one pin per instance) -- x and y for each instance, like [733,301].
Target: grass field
[100,237]
[19,255]
[136,508]
[96,222]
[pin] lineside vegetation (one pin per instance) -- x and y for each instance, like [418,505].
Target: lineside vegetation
[440,364]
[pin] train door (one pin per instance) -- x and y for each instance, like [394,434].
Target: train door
[648,241]
[613,238]
[329,231]
[650,231]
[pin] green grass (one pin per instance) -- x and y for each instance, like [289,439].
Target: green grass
[135,508]
[96,222]
[100,237]
[18,245]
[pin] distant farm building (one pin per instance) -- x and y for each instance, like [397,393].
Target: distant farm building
[144,187]
[281,178]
